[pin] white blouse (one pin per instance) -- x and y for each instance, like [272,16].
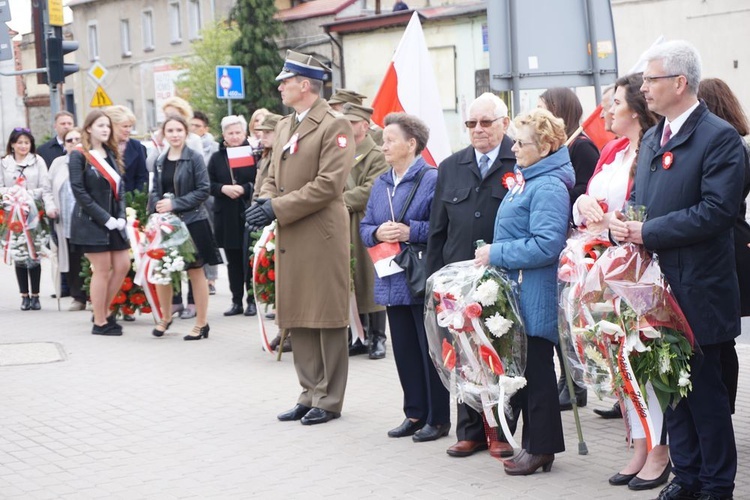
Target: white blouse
[609,184]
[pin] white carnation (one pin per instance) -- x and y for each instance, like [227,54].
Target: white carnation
[511,384]
[270,246]
[486,293]
[498,325]
[684,380]
[594,355]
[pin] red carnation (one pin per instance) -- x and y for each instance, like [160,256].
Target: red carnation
[15,226]
[271,275]
[2,216]
[119,298]
[156,253]
[138,298]
[146,309]
[127,310]
[264,261]
[127,284]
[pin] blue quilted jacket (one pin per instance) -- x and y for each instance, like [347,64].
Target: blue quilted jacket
[530,231]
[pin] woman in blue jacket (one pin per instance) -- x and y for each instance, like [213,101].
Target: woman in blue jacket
[530,231]
[426,400]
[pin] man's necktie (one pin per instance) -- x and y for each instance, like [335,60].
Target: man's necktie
[667,135]
[484,165]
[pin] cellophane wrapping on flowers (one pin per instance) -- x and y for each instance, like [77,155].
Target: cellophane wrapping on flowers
[263,263]
[475,334]
[622,306]
[24,231]
[169,244]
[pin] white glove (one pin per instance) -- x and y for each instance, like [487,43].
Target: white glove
[111,224]
[120,224]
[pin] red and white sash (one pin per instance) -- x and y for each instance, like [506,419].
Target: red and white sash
[106,170]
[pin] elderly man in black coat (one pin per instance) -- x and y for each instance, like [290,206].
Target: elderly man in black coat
[689,178]
[467,195]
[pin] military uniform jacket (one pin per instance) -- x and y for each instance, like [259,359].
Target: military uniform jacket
[369,163]
[306,183]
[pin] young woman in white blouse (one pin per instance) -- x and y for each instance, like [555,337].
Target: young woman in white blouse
[607,192]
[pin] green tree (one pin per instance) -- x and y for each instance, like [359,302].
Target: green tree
[256,51]
[198,83]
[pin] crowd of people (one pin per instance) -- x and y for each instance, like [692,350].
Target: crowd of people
[338,186]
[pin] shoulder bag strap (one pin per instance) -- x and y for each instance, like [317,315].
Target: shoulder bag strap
[411,194]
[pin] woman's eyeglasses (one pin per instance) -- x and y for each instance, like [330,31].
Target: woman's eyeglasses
[73,140]
[521,144]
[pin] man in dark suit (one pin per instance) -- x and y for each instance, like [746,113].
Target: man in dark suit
[687,178]
[467,195]
[55,147]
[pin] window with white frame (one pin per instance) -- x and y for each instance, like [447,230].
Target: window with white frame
[151,113]
[147,18]
[93,32]
[195,22]
[125,38]
[175,25]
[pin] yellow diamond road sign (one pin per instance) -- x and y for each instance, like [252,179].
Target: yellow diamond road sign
[97,72]
[100,99]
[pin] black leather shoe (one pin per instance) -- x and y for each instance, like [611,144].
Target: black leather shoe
[674,491]
[109,330]
[234,310]
[319,416]
[357,348]
[25,303]
[251,310]
[638,484]
[34,303]
[295,413]
[711,496]
[620,479]
[613,412]
[431,432]
[407,428]
[377,348]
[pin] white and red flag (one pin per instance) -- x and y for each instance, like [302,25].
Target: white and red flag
[240,156]
[409,86]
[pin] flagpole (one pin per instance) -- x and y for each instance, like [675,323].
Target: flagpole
[594,51]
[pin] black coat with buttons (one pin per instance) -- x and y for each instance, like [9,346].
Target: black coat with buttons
[465,205]
[95,201]
[229,214]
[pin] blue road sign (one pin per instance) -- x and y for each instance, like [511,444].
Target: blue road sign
[229,82]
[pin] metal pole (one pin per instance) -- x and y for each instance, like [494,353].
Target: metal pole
[229,107]
[516,81]
[594,50]
[54,102]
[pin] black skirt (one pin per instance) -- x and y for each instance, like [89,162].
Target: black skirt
[116,243]
[205,244]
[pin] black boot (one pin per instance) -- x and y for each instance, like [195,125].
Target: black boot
[25,303]
[376,334]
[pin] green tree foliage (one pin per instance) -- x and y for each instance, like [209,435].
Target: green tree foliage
[198,83]
[256,51]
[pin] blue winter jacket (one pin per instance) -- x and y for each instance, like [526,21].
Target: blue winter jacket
[393,290]
[530,231]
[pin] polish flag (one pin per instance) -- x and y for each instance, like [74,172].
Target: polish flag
[240,156]
[410,86]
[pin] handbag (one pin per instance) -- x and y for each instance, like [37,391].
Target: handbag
[412,259]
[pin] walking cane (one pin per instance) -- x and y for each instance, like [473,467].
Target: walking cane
[582,448]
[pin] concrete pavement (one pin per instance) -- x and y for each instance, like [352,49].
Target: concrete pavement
[140,417]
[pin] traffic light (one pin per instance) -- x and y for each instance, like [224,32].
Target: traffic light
[57,70]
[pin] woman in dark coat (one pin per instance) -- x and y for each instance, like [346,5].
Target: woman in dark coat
[584,155]
[232,189]
[426,400]
[722,102]
[181,186]
[98,226]
[132,152]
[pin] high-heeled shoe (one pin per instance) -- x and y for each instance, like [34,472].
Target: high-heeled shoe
[199,331]
[638,484]
[527,464]
[163,324]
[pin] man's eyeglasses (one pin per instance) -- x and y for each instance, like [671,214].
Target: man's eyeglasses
[72,140]
[482,123]
[22,129]
[651,79]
